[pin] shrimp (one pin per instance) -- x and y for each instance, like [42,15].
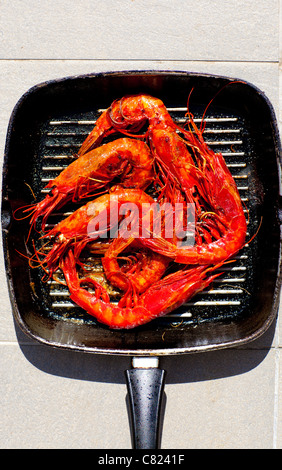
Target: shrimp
[216,192]
[127,161]
[175,165]
[91,222]
[129,114]
[159,299]
[184,170]
[94,221]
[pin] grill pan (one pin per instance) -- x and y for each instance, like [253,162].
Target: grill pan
[48,125]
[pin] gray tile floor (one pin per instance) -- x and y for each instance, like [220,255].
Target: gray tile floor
[61,399]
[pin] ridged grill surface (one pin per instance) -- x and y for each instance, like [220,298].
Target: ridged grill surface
[224,134]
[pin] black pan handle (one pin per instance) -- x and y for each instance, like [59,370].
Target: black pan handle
[145,385]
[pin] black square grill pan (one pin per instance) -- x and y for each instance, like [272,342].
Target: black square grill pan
[47,127]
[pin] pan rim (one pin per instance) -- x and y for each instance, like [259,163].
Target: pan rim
[151,352]
[164,351]
[229,344]
[117,73]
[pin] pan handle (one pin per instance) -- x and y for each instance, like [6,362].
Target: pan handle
[145,385]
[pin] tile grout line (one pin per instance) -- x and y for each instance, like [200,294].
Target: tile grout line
[88,59]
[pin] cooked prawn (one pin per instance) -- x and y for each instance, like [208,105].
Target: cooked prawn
[140,268]
[159,299]
[128,115]
[124,161]
[92,221]
[216,192]
[184,169]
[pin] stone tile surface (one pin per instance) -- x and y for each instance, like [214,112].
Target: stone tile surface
[60,399]
[125,29]
[226,403]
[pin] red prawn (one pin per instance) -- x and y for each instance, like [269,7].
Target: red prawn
[159,299]
[125,161]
